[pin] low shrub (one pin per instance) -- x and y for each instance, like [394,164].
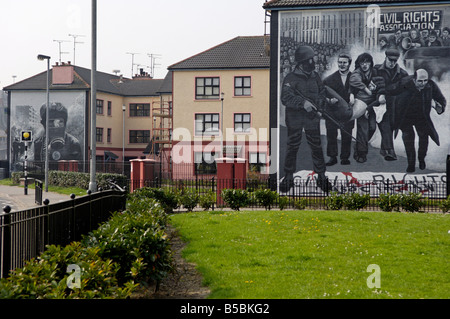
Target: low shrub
[334,201]
[137,242]
[411,202]
[189,199]
[47,276]
[266,197]
[76,179]
[300,203]
[207,200]
[445,205]
[168,199]
[283,202]
[356,201]
[389,202]
[235,198]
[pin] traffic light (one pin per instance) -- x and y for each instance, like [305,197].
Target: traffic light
[26,136]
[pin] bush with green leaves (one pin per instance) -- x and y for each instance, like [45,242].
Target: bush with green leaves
[300,203]
[389,202]
[189,199]
[48,276]
[168,199]
[235,198]
[356,201]
[207,200]
[137,242]
[76,179]
[283,202]
[334,201]
[266,197]
[445,205]
[411,202]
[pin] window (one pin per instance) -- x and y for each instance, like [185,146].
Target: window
[257,162]
[99,134]
[140,136]
[242,86]
[242,123]
[205,163]
[108,136]
[99,106]
[109,108]
[207,88]
[207,124]
[142,109]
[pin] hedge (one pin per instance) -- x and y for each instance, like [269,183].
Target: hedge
[76,179]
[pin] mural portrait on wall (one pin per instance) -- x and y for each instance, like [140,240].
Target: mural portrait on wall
[66,127]
[383,86]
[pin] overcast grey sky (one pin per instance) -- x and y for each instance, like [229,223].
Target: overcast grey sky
[171,29]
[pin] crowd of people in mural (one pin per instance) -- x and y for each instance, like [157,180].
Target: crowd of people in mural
[362,94]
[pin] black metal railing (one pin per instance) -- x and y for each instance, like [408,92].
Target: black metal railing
[24,234]
[38,191]
[433,192]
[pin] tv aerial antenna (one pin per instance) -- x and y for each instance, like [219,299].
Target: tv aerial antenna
[132,61]
[153,63]
[75,42]
[59,45]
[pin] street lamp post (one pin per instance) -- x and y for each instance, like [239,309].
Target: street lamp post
[123,138]
[221,125]
[46,57]
[93,182]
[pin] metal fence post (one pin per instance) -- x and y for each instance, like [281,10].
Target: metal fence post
[6,243]
[46,222]
[72,219]
[213,191]
[89,192]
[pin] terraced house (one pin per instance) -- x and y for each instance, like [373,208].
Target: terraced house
[221,107]
[124,120]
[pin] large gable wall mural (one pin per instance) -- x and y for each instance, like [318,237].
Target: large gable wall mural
[380,79]
[66,127]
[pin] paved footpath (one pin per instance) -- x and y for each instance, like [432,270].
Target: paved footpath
[14,197]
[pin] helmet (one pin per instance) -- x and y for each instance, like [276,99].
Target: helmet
[56,110]
[303,53]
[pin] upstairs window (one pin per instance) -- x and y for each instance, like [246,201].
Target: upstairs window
[139,110]
[207,88]
[242,86]
[99,106]
[139,136]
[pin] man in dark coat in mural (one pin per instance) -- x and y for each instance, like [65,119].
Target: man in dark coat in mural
[303,93]
[414,104]
[392,73]
[339,82]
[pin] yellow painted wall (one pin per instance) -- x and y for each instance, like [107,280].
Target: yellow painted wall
[185,105]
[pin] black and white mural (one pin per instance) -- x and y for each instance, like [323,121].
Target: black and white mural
[363,96]
[66,126]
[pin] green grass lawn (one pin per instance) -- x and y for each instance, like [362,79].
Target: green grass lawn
[318,254]
[55,189]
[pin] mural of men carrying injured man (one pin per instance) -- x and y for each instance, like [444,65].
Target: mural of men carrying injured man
[417,96]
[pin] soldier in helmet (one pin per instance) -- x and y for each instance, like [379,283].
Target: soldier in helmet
[303,93]
[61,145]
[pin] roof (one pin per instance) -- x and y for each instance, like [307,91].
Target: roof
[274,4]
[106,83]
[166,86]
[243,52]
